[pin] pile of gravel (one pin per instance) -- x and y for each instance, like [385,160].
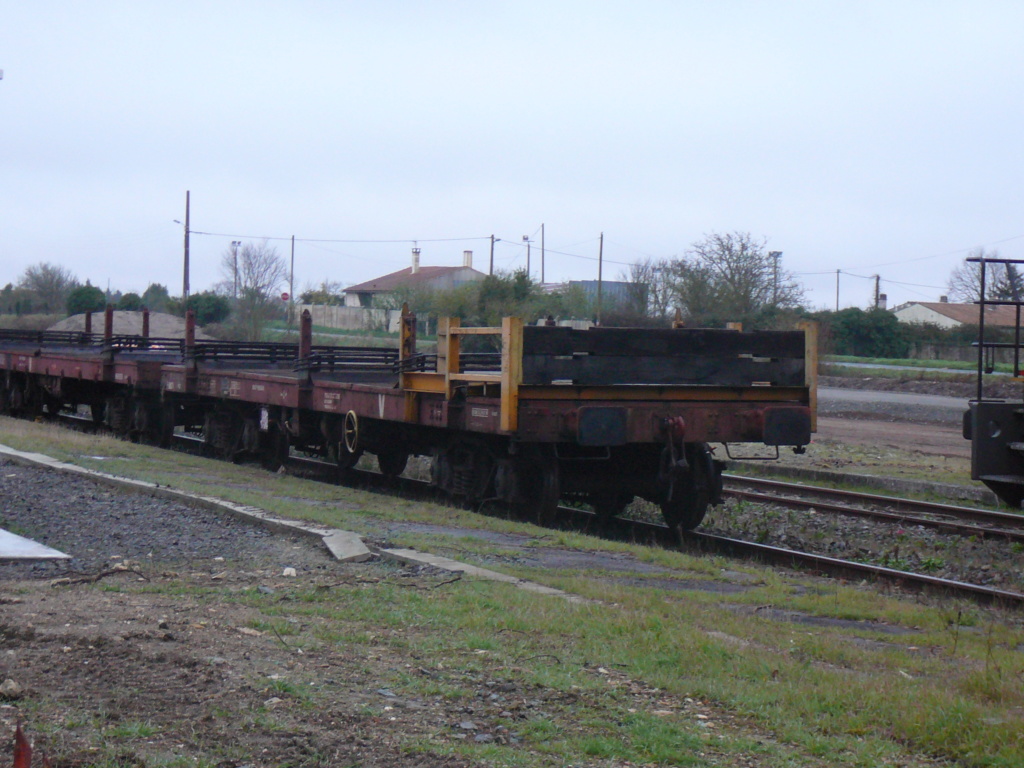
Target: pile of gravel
[161,325]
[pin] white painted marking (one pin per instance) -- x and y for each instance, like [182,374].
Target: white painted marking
[15,547]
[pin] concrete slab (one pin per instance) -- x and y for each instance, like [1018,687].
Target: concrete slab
[346,546]
[414,557]
[15,547]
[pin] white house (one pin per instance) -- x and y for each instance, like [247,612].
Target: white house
[946,315]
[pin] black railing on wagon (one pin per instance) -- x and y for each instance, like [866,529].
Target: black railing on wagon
[986,349]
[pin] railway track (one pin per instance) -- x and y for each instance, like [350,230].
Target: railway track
[662,535]
[943,517]
[640,531]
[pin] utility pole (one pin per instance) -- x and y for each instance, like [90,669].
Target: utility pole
[600,269]
[184,284]
[542,254]
[492,256]
[526,239]
[877,280]
[837,290]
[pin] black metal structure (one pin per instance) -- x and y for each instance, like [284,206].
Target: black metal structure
[994,426]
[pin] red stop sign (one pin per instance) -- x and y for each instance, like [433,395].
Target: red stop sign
[284,296]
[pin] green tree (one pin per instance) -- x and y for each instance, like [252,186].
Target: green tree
[875,333]
[506,294]
[209,307]
[156,298]
[328,292]
[130,302]
[85,298]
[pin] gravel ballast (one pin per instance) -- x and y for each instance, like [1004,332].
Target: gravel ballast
[97,525]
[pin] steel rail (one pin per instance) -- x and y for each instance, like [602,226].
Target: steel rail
[989,516]
[791,558]
[946,526]
[851,568]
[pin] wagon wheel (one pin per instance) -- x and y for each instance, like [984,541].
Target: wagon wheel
[348,450]
[688,490]
[350,432]
[609,504]
[148,424]
[392,462]
[274,448]
[165,432]
[97,410]
[539,486]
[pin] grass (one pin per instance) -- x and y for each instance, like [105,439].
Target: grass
[839,371]
[959,365]
[641,674]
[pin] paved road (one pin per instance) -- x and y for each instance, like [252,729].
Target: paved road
[830,395]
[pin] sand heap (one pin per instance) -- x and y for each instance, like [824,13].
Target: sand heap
[161,325]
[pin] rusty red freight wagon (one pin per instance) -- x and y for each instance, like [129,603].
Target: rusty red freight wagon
[530,415]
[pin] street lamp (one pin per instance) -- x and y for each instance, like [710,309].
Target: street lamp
[528,241]
[234,256]
[775,256]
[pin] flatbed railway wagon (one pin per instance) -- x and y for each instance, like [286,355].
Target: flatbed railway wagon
[529,415]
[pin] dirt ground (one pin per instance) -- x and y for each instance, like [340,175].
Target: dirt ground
[923,438]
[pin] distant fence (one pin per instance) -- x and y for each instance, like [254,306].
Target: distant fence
[926,351]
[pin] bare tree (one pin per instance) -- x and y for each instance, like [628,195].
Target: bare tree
[260,274]
[732,276]
[649,288]
[1002,281]
[49,286]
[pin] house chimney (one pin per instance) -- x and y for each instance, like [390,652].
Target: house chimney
[415,260]
[882,299]
[944,299]
[467,259]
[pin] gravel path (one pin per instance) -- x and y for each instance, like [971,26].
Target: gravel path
[98,525]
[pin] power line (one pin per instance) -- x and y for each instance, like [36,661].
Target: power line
[914,285]
[327,240]
[947,253]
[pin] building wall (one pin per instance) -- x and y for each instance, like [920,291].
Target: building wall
[915,313]
[353,318]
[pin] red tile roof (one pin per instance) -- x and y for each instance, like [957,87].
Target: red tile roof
[400,278]
[967,314]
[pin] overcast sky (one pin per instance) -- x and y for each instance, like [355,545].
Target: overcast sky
[870,137]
